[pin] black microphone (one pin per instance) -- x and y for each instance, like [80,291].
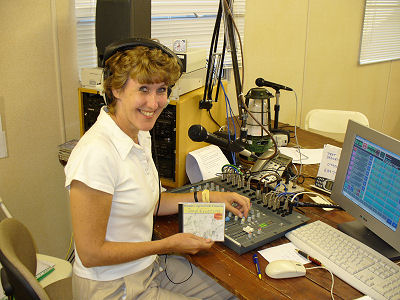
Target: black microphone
[198,133]
[261,82]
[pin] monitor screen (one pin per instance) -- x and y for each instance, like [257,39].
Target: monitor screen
[367,185]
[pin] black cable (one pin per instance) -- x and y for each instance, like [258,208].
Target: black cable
[310,204]
[300,210]
[209,112]
[304,178]
[71,256]
[166,274]
[265,170]
[153,138]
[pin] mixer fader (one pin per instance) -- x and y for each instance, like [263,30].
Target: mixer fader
[270,216]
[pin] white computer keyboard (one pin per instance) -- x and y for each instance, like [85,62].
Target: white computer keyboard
[357,264]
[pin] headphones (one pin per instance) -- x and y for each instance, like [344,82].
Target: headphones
[128,44]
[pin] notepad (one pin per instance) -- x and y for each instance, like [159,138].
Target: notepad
[43,269]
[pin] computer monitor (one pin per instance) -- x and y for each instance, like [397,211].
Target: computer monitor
[367,186]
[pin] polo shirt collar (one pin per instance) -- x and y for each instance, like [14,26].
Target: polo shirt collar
[122,142]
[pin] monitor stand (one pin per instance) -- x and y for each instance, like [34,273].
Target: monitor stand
[357,230]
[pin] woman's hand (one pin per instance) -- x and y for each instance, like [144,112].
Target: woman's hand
[242,206]
[187,243]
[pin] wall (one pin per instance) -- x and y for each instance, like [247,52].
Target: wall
[309,45]
[36,85]
[313,47]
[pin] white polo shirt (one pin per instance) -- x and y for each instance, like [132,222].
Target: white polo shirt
[108,160]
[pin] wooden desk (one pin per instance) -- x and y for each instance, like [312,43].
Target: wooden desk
[237,272]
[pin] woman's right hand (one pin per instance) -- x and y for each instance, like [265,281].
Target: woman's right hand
[187,243]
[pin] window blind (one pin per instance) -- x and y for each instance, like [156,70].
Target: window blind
[192,20]
[381,31]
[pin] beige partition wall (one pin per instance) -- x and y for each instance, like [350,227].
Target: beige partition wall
[38,80]
[309,45]
[313,47]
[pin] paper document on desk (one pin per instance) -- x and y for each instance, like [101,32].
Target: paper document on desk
[43,267]
[329,162]
[205,163]
[283,252]
[308,156]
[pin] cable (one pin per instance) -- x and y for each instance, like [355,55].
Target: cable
[308,193]
[297,140]
[166,274]
[227,103]
[304,178]
[216,123]
[233,117]
[71,257]
[297,204]
[228,10]
[70,247]
[321,205]
[280,183]
[232,167]
[333,278]
[153,138]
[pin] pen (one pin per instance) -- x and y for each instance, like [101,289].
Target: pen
[45,274]
[255,259]
[310,258]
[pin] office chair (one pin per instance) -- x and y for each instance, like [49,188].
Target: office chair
[18,258]
[332,123]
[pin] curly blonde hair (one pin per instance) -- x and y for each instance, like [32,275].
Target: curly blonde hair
[142,64]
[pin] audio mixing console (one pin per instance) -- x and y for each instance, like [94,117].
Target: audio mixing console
[270,217]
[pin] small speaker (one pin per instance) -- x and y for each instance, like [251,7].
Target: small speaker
[121,19]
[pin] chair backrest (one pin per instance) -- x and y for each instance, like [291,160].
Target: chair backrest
[18,258]
[332,122]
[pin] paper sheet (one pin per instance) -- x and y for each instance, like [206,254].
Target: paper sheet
[283,252]
[205,163]
[320,200]
[329,162]
[308,156]
[43,266]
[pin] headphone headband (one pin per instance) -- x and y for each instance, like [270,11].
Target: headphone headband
[131,43]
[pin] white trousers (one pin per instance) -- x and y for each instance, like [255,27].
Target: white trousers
[171,281]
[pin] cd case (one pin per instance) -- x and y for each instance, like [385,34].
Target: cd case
[206,220]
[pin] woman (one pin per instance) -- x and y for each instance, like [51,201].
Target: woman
[114,191]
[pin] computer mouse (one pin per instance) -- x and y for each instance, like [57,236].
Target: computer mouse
[285,269]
